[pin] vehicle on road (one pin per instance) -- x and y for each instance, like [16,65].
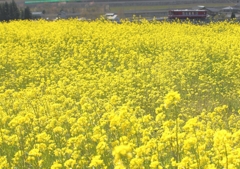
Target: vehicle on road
[112,17]
[187,14]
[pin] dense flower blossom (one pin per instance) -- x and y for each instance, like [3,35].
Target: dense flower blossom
[79,94]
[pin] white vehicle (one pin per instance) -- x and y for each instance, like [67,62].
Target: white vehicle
[112,17]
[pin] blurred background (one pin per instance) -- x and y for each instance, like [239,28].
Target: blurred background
[92,9]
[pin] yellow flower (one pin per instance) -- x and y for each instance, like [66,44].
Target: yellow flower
[56,165]
[136,163]
[58,130]
[96,161]
[101,147]
[190,143]
[43,137]
[154,164]
[3,162]
[35,152]
[172,98]
[33,155]
[122,153]
[70,163]
[122,150]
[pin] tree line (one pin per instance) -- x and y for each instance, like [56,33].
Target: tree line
[10,11]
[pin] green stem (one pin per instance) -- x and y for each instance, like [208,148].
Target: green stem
[197,154]
[226,154]
[177,156]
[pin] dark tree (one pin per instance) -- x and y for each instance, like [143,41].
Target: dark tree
[233,15]
[21,13]
[14,11]
[1,12]
[27,13]
[6,12]
[9,11]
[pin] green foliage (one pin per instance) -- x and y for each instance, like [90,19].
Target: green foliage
[27,13]
[14,11]
[10,11]
[233,15]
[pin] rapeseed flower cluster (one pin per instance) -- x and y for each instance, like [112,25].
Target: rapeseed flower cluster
[79,94]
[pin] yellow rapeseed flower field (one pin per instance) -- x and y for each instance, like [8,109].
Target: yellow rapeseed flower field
[159,95]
